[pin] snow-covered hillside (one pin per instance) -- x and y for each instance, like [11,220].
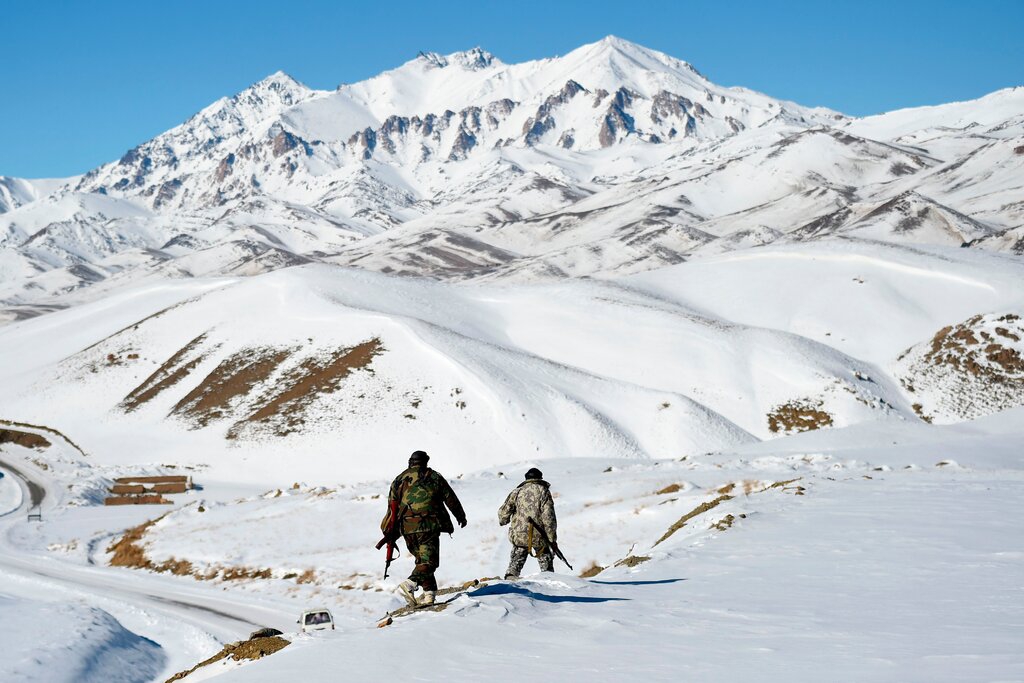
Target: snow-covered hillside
[611,159]
[769,357]
[877,552]
[694,358]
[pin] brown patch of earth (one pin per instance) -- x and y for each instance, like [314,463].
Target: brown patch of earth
[175,369]
[285,411]
[699,510]
[255,648]
[798,416]
[724,496]
[24,439]
[308,576]
[591,571]
[967,370]
[951,346]
[235,376]
[129,551]
[632,560]
[49,430]
[726,522]
[919,410]
[785,486]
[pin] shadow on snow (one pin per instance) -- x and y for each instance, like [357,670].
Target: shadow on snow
[508,589]
[637,583]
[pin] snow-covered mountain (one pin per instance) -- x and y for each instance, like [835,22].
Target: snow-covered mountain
[611,159]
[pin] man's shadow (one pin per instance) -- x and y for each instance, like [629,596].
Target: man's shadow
[637,583]
[512,589]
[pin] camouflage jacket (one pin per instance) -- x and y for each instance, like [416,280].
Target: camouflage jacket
[421,496]
[532,498]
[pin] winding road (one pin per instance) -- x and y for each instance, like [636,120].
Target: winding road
[36,492]
[169,607]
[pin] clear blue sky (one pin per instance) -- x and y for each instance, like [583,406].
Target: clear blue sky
[85,81]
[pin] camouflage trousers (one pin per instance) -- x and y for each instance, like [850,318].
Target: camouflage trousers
[515,564]
[425,547]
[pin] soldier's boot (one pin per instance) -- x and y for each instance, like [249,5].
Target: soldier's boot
[546,560]
[515,563]
[407,589]
[427,599]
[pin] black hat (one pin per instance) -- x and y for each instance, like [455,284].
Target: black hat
[418,458]
[534,473]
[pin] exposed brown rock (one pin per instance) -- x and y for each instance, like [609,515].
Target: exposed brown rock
[798,416]
[617,119]
[225,167]
[285,410]
[174,369]
[252,649]
[699,510]
[632,560]
[24,439]
[234,377]
[967,370]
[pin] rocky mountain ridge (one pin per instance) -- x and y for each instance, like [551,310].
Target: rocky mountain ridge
[611,159]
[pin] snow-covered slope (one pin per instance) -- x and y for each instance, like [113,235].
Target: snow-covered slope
[72,643]
[820,548]
[319,359]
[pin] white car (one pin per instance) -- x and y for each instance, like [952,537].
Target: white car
[316,620]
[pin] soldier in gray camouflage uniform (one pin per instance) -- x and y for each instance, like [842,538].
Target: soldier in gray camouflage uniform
[533,499]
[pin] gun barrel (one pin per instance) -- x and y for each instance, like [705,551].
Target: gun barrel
[551,544]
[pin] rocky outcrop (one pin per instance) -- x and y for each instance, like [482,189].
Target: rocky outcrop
[498,110]
[365,141]
[224,168]
[167,192]
[666,105]
[967,370]
[464,142]
[24,439]
[285,141]
[617,121]
[543,121]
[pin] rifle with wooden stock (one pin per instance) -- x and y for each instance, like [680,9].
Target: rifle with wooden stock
[392,528]
[551,544]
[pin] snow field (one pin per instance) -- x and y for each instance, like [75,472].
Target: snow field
[874,573]
[73,643]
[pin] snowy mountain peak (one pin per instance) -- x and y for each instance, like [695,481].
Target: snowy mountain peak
[475,58]
[612,158]
[629,57]
[433,59]
[471,60]
[279,87]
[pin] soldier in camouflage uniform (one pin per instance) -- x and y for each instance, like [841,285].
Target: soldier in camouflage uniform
[417,502]
[533,499]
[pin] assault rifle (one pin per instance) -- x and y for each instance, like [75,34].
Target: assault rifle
[391,542]
[551,544]
[392,530]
